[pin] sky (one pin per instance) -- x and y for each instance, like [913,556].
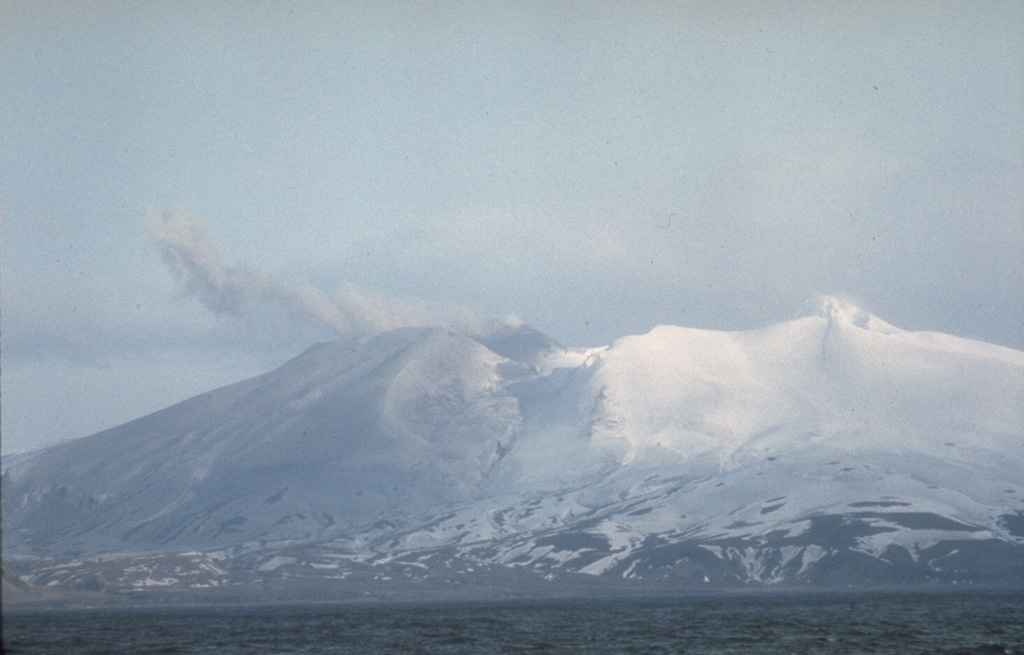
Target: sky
[192,193]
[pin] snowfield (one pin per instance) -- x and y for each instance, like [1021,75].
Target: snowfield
[830,449]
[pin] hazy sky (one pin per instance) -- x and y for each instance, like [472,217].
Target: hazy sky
[193,192]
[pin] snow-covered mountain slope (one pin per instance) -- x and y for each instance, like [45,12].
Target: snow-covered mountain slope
[344,434]
[831,448]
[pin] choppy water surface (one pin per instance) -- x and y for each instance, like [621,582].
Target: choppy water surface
[986,622]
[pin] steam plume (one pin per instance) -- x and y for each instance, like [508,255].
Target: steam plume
[191,255]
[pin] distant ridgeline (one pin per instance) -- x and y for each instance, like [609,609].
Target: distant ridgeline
[830,450]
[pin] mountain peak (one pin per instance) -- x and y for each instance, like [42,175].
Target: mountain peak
[845,312]
[520,343]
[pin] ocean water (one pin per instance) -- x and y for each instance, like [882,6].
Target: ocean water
[776,623]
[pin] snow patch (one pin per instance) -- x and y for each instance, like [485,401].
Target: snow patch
[275,563]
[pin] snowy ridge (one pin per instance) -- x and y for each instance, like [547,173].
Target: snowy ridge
[830,449]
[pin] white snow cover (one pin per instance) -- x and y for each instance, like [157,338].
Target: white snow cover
[423,438]
[840,378]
